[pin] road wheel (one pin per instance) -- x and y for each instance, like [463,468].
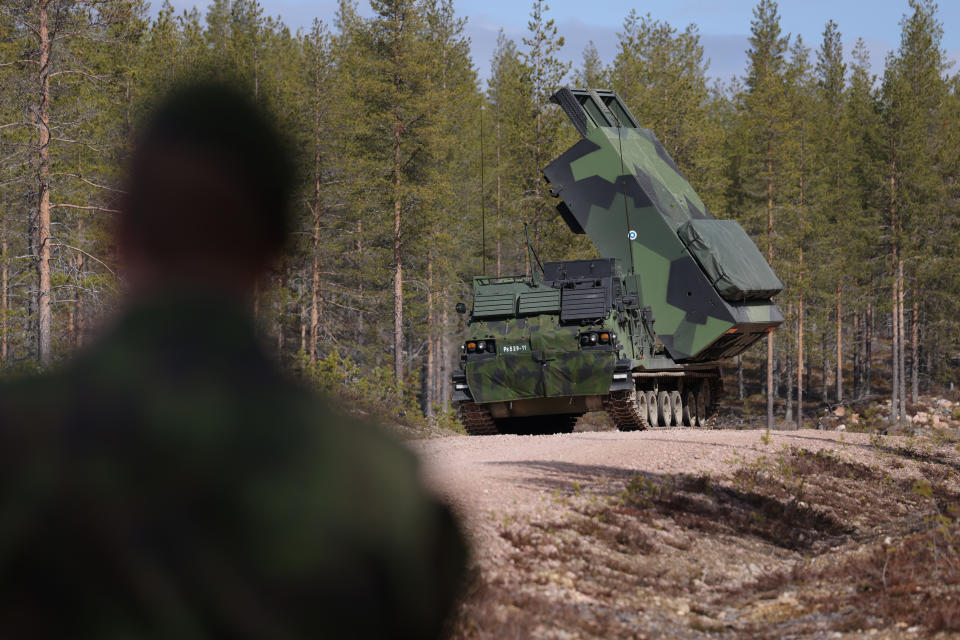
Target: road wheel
[666,409]
[706,409]
[689,409]
[702,397]
[643,406]
[676,409]
[654,413]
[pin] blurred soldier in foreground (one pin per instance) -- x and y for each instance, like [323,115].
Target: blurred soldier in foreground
[169,483]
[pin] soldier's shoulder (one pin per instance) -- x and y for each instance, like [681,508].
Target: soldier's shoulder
[359,439]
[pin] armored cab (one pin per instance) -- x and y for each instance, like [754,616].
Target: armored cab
[674,292]
[541,351]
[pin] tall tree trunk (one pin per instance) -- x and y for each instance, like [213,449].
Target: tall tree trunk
[800,300]
[788,408]
[397,207]
[839,343]
[915,347]
[824,365]
[431,341]
[894,353]
[901,345]
[857,354]
[78,319]
[316,299]
[444,351]
[360,248]
[72,323]
[303,329]
[800,361]
[770,261]
[397,258]
[536,162]
[43,187]
[499,211]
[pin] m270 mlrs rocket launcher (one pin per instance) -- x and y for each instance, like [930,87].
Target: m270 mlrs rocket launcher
[638,332]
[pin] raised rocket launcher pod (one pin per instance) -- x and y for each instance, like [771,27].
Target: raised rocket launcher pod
[675,292]
[708,286]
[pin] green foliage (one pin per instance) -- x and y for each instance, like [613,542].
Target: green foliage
[592,72]
[660,72]
[363,391]
[923,489]
[871,421]
[385,113]
[447,420]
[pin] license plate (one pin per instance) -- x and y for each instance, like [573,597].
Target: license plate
[514,348]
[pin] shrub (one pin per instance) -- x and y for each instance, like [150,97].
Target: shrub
[363,391]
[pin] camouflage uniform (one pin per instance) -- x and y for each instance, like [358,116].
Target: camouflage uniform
[170,483]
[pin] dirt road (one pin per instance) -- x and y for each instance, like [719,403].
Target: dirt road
[490,479]
[691,533]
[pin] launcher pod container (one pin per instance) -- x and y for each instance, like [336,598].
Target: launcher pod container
[638,332]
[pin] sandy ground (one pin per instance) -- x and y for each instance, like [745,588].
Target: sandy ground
[490,479]
[607,534]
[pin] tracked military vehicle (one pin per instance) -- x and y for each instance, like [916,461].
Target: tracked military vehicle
[638,332]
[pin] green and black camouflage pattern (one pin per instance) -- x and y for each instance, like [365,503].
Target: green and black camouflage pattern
[171,483]
[678,288]
[620,187]
[536,358]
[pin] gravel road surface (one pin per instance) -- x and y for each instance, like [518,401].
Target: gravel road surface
[490,478]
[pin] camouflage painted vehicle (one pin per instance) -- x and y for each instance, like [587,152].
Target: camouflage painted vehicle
[639,332]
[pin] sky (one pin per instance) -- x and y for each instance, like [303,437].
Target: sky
[724,25]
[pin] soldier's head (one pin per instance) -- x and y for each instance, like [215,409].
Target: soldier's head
[208,192]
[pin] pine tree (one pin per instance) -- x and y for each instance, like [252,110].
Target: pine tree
[592,72]
[835,191]
[400,102]
[317,46]
[764,121]
[507,98]
[59,59]
[861,230]
[546,73]
[661,73]
[796,237]
[914,92]
[457,155]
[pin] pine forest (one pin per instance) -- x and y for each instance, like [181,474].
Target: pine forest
[415,176]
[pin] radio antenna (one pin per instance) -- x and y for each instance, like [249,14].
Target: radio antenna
[532,256]
[483,200]
[626,212]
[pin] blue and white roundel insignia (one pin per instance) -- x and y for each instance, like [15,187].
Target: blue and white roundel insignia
[632,235]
